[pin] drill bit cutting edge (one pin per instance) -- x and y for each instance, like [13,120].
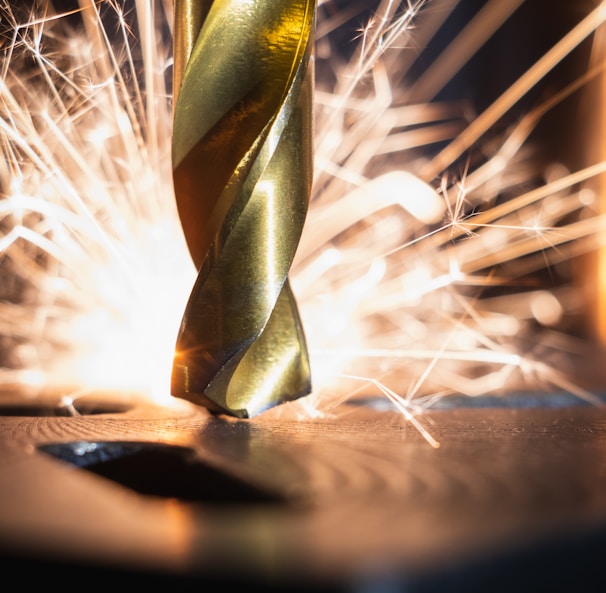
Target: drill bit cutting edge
[242,173]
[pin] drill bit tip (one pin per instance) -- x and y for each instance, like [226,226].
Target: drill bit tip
[242,162]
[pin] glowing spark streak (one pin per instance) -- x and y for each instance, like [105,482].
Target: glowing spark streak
[21,232]
[394,188]
[30,140]
[433,19]
[47,165]
[382,30]
[377,43]
[520,202]
[32,24]
[487,356]
[416,138]
[68,146]
[516,138]
[327,25]
[111,69]
[401,404]
[557,379]
[516,249]
[489,18]
[513,94]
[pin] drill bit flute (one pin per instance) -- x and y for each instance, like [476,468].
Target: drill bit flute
[242,164]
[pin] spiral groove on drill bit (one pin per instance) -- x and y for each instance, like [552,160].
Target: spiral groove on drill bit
[242,166]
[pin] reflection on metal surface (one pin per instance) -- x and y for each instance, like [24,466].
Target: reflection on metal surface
[242,167]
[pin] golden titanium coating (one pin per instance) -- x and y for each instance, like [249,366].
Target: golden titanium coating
[242,164]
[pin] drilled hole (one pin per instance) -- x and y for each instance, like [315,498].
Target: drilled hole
[160,470]
[61,409]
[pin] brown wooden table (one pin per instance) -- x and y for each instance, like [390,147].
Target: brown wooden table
[128,491]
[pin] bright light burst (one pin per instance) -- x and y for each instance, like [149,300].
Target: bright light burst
[404,247]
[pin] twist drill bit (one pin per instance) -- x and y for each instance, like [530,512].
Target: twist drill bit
[242,163]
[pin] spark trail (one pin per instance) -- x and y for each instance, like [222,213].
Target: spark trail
[403,249]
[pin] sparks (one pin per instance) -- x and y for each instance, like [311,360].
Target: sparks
[401,242]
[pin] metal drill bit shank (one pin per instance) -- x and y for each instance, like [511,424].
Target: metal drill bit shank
[242,164]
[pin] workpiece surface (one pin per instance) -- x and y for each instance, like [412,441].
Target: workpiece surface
[514,497]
